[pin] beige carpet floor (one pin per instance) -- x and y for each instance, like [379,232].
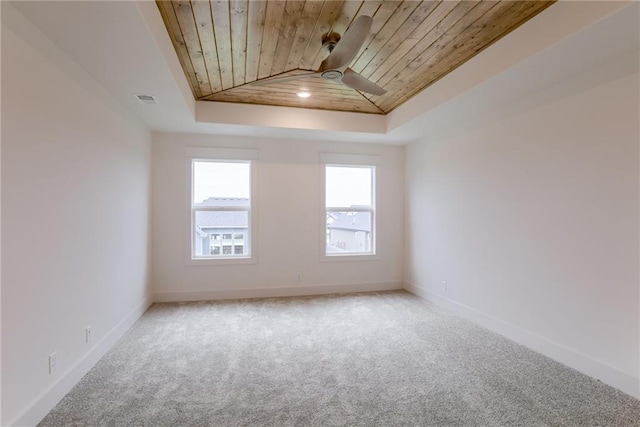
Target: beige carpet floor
[378,359]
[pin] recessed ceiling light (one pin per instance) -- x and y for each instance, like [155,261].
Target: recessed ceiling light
[303,94]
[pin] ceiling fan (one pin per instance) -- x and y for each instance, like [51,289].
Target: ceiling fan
[342,50]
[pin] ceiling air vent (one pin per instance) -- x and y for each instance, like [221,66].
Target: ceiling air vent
[146,99]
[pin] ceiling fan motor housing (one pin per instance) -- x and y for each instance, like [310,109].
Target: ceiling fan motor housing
[330,40]
[331,74]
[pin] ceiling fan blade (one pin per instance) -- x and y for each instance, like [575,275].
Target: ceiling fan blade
[283,79]
[349,45]
[357,82]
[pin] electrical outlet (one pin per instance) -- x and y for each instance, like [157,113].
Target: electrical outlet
[53,362]
[298,277]
[88,333]
[444,286]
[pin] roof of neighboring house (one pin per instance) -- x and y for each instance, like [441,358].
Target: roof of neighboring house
[356,221]
[222,219]
[224,201]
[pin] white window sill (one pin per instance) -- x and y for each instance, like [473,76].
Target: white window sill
[222,261]
[350,258]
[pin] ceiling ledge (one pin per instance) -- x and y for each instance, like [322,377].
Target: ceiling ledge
[288,117]
[551,26]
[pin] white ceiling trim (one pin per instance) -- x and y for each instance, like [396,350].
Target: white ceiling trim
[289,117]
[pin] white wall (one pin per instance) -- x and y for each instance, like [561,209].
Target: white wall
[289,220]
[530,214]
[75,214]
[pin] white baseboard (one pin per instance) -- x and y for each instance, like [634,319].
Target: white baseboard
[289,291]
[41,406]
[569,357]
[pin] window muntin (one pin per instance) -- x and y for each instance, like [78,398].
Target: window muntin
[220,209]
[349,208]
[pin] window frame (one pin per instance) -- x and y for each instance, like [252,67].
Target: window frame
[223,155]
[356,161]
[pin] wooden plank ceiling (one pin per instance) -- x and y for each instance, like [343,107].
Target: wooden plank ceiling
[225,45]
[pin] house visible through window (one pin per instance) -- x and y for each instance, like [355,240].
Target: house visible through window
[221,209]
[349,204]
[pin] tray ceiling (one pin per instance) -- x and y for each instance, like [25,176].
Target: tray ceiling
[224,46]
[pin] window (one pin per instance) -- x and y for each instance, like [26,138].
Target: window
[221,214]
[350,210]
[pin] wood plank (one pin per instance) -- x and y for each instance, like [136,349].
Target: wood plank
[473,38]
[222,29]
[380,18]
[370,8]
[281,93]
[318,87]
[292,12]
[270,97]
[171,22]
[310,14]
[274,97]
[255,24]
[328,15]
[494,25]
[425,34]
[400,15]
[315,86]
[204,26]
[459,18]
[184,13]
[384,12]
[273,19]
[408,35]
[238,11]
